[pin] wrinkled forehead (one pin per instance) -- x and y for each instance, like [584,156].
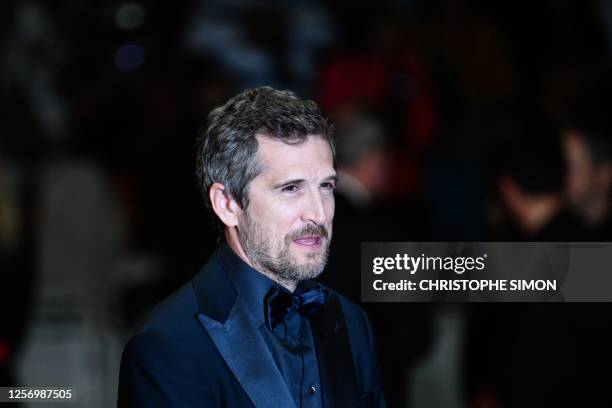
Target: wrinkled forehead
[313,152]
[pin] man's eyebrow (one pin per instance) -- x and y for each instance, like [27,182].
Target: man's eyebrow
[333,177]
[288,183]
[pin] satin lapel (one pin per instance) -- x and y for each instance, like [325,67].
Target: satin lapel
[336,366]
[236,337]
[247,356]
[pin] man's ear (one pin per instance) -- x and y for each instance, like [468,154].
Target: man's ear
[225,206]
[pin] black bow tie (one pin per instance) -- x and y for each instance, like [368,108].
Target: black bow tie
[279,303]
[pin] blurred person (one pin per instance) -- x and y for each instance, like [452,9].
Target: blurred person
[378,71]
[537,354]
[362,176]
[589,179]
[253,328]
[364,213]
[363,161]
[531,185]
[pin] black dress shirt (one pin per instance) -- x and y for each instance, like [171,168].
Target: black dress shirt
[290,342]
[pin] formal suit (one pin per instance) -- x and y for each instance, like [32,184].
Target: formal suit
[202,347]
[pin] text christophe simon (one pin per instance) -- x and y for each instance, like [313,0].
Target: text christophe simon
[458,265]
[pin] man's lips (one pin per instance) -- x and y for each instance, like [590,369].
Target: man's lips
[309,241]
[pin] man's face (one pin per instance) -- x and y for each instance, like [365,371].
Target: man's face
[287,226]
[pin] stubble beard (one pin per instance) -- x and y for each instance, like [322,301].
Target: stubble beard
[283,267]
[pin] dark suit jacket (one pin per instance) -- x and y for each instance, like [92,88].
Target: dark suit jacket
[200,348]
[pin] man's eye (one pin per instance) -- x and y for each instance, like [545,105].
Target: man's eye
[289,189]
[329,186]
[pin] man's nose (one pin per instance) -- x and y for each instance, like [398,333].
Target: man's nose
[314,208]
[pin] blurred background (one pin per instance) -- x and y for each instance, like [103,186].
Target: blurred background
[456,120]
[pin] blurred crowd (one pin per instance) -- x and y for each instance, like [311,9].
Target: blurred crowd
[456,120]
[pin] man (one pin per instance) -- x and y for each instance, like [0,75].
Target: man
[252,328]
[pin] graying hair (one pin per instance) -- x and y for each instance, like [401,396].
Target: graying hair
[227,148]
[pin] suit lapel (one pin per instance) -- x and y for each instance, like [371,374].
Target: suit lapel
[248,358]
[336,367]
[237,339]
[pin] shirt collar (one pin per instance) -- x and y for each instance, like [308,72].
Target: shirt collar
[250,284]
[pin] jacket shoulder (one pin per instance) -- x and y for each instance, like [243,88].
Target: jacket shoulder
[173,313]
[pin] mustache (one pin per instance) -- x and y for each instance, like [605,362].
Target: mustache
[309,231]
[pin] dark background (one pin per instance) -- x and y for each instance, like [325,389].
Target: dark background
[101,103]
